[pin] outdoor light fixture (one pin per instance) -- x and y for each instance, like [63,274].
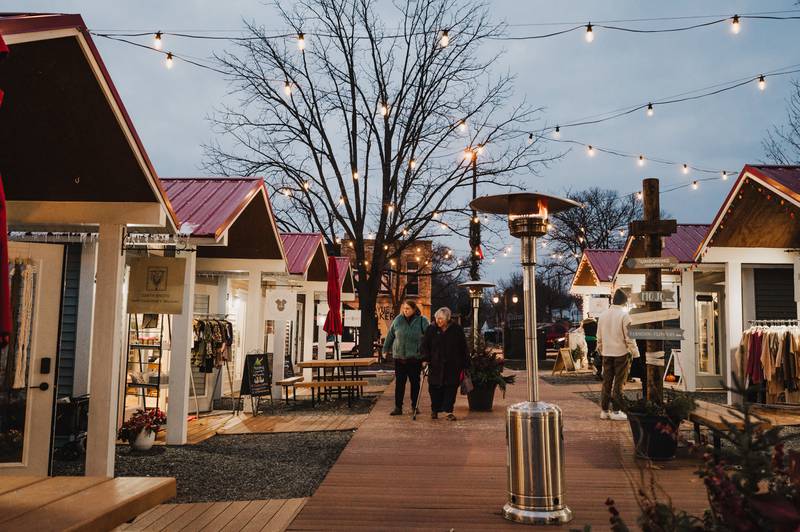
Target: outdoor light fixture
[412,163]
[650,109]
[762,82]
[462,126]
[475,290]
[301,42]
[724,175]
[735,27]
[157,40]
[589,33]
[495,300]
[530,138]
[444,40]
[590,150]
[287,88]
[695,185]
[514,299]
[639,195]
[533,428]
[641,160]
[685,168]
[170,60]
[384,109]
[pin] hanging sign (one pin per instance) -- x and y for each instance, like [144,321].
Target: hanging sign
[656,334]
[281,305]
[352,318]
[664,296]
[256,376]
[322,313]
[655,315]
[652,262]
[155,285]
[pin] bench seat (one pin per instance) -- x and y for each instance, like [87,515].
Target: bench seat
[718,418]
[317,388]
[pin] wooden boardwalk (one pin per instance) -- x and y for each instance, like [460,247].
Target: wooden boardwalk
[273,515]
[206,427]
[398,474]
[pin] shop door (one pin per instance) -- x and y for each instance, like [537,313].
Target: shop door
[27,366]
[707,332]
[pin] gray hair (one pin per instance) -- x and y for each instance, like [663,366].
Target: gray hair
[444,312]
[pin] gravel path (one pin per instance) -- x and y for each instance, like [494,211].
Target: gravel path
[235,467]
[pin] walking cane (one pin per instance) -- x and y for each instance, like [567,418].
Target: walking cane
[419,393]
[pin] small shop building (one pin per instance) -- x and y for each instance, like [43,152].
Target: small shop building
[593,280]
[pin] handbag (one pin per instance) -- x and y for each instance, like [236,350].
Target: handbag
[466,383]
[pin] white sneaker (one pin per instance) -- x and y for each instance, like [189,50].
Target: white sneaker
[605,414]
[617,415]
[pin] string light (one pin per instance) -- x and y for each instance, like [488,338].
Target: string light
[590,150]
[469,154]
[589,33]
[695,185]
[444,226]
[476,220]
[549,227]
[435,214]
[412,163]
[444,40]
[157,40]
[685,168]
[301,42]
[622,232]
[390,207]
[735,26]
[405,232]
[479,149]
[514,299]
[641,160]
[355,175]
[762,82]
[530,139]
[650,109]
[724,175]
[287,192]
[287,88]
[384,109]
[639,195]
[392,262]
[385,247]
[170,60]
[462,126]
[341,200]
[557,133]
[306,185]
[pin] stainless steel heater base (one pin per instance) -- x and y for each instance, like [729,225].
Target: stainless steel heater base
[537,517]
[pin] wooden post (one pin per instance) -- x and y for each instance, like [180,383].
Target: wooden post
[652,282]
[180,370]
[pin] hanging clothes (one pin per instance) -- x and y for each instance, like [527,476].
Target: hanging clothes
[770,356]
[212,344]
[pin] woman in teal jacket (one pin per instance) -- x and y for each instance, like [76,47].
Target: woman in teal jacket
[403,340]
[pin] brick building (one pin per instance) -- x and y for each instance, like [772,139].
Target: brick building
[408,277]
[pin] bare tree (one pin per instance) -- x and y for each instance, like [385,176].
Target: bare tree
[368,129]
[601,224]
[782,144]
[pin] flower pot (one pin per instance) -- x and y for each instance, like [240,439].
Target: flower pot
[481,398]
[144,440]
[654,437]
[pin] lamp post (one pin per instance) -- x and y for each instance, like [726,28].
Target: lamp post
[533,428]
[475,289]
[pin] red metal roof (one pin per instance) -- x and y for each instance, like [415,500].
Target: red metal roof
[785,178]
[21,23]
[604,262]
[300,249]
[684,243]
[210,204]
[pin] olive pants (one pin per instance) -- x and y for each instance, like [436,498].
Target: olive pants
[615,374]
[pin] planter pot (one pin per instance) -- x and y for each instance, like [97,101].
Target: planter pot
[481,398]
[649,439]
[144,440]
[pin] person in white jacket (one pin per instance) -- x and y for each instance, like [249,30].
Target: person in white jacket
[617,349]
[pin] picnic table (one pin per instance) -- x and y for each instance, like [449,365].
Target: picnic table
[78,503]
[339,377]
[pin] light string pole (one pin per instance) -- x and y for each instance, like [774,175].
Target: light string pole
[534,429]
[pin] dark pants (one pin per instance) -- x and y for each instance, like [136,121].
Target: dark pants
[615,373]
[406,369]
[443,398]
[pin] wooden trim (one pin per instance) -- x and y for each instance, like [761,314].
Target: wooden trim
[63,213]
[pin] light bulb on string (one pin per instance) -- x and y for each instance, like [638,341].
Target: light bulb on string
[479,149]
[639,195]
[590,150]
[405,232]
[735,26]
[641,160]
[530,138]
[390,208]
[170,60]
[621,232]
[476,220]
[695,185]
[341,200]
[469,154]
[384,109]
[157,42]
[306,185]
[650,110]
[685,168]
[301,42]
[435,214]
[589,33]
[287,88]
[287,192]
[762,82]
[549,227]
[444,39]
[462,126]
[412,163]
[724,175]
[557,132]
[355,175]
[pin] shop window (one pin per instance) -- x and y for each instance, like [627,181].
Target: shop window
[774,291]
[412,279]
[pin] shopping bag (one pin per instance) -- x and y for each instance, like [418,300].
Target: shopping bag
[466,384]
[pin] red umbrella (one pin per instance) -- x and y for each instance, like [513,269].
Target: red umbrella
[333,321]
[5,295]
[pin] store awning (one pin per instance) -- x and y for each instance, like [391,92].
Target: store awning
[71,155]
[762,210]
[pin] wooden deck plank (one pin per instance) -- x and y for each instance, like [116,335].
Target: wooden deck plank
[207,516]
[39,494]
[196,511]
[284,516]
[166,521]
[263,515]
[15,483]
[226,516]
[245,516]
[144,521]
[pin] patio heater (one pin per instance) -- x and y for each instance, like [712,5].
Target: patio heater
[534,428]
[475,290]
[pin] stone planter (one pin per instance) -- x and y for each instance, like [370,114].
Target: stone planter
[144,440]
[481,398]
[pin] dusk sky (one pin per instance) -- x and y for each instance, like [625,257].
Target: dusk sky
[568,77]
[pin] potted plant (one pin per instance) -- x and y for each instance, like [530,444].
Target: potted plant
[140,429]
[654,426]
[486,372]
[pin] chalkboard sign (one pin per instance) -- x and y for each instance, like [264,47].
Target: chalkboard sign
[288,368]
[256,381]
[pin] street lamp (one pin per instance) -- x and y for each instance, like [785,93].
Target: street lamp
[475,289]
[534,428]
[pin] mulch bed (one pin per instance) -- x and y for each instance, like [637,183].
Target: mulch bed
[303,407]
[235,467]
[569,377]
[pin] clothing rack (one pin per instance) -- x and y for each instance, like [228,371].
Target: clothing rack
[774,322]
[218,378]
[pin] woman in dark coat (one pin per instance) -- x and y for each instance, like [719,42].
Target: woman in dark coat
[444,348]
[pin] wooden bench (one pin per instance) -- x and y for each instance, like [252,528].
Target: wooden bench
[718,418]
[290,382]
[351,386]
[78,503]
